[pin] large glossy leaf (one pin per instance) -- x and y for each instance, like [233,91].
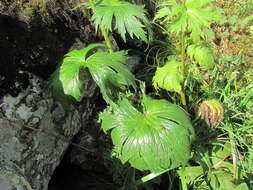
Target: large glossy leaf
[155,139]
[169,77]
[129,18]
[106,69]
[192,17]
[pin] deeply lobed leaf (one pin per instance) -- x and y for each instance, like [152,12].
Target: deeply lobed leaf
[155,139]
[69,70]
[191,18]
[107,71]
[129,18]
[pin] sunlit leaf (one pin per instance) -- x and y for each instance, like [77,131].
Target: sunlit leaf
[107,71]
[156,138]
[191,17]
[202,54]
[169,77]
[129,18]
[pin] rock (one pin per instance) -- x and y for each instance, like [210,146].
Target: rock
[134,63]
[35,132]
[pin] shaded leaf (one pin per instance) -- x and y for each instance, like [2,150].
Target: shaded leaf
[221,180]
[190,173]
[57,92]
[242,186]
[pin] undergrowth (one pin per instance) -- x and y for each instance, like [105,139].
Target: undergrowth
[197,132]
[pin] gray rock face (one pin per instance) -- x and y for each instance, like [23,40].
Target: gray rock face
[34,134]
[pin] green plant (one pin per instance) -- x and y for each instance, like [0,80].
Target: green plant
[161,132]
[106,70]
[156,128]
[154,135]
[188,25]
[190,22]
[120,16]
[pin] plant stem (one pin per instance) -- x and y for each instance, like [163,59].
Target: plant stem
[182,95]
[183,58]
[107,40]
[182,177]
[148,177]
[233,152]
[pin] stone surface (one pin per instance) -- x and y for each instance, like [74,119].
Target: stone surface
[35,132]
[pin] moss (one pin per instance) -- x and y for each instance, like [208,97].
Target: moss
[35,7]
[5,173]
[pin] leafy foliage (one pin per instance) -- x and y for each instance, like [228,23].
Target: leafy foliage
[129,18]
[192,17]
[154,139]
[202,54]
[169,77]
[106,69]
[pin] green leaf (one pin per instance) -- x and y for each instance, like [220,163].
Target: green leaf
[202,54]
[221,180]
[110,74]
[242,186]
[156,138]
[69,70]
[169,77]
[247,20]
[192,172]
[219,154]
[129,18]
[57,92]
[106,70]
[192,17]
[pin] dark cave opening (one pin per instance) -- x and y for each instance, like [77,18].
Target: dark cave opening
[68,176]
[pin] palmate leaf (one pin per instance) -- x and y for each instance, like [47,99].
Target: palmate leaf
[191,18]
[202,54]
[106,69]
[129,18]
[110,74]
[169,77]
[156,139]
[69,70]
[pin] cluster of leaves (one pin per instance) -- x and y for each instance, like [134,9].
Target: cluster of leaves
[189,21]
[188,16]
[156,135]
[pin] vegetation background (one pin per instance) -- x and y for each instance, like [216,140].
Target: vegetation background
[218,95]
